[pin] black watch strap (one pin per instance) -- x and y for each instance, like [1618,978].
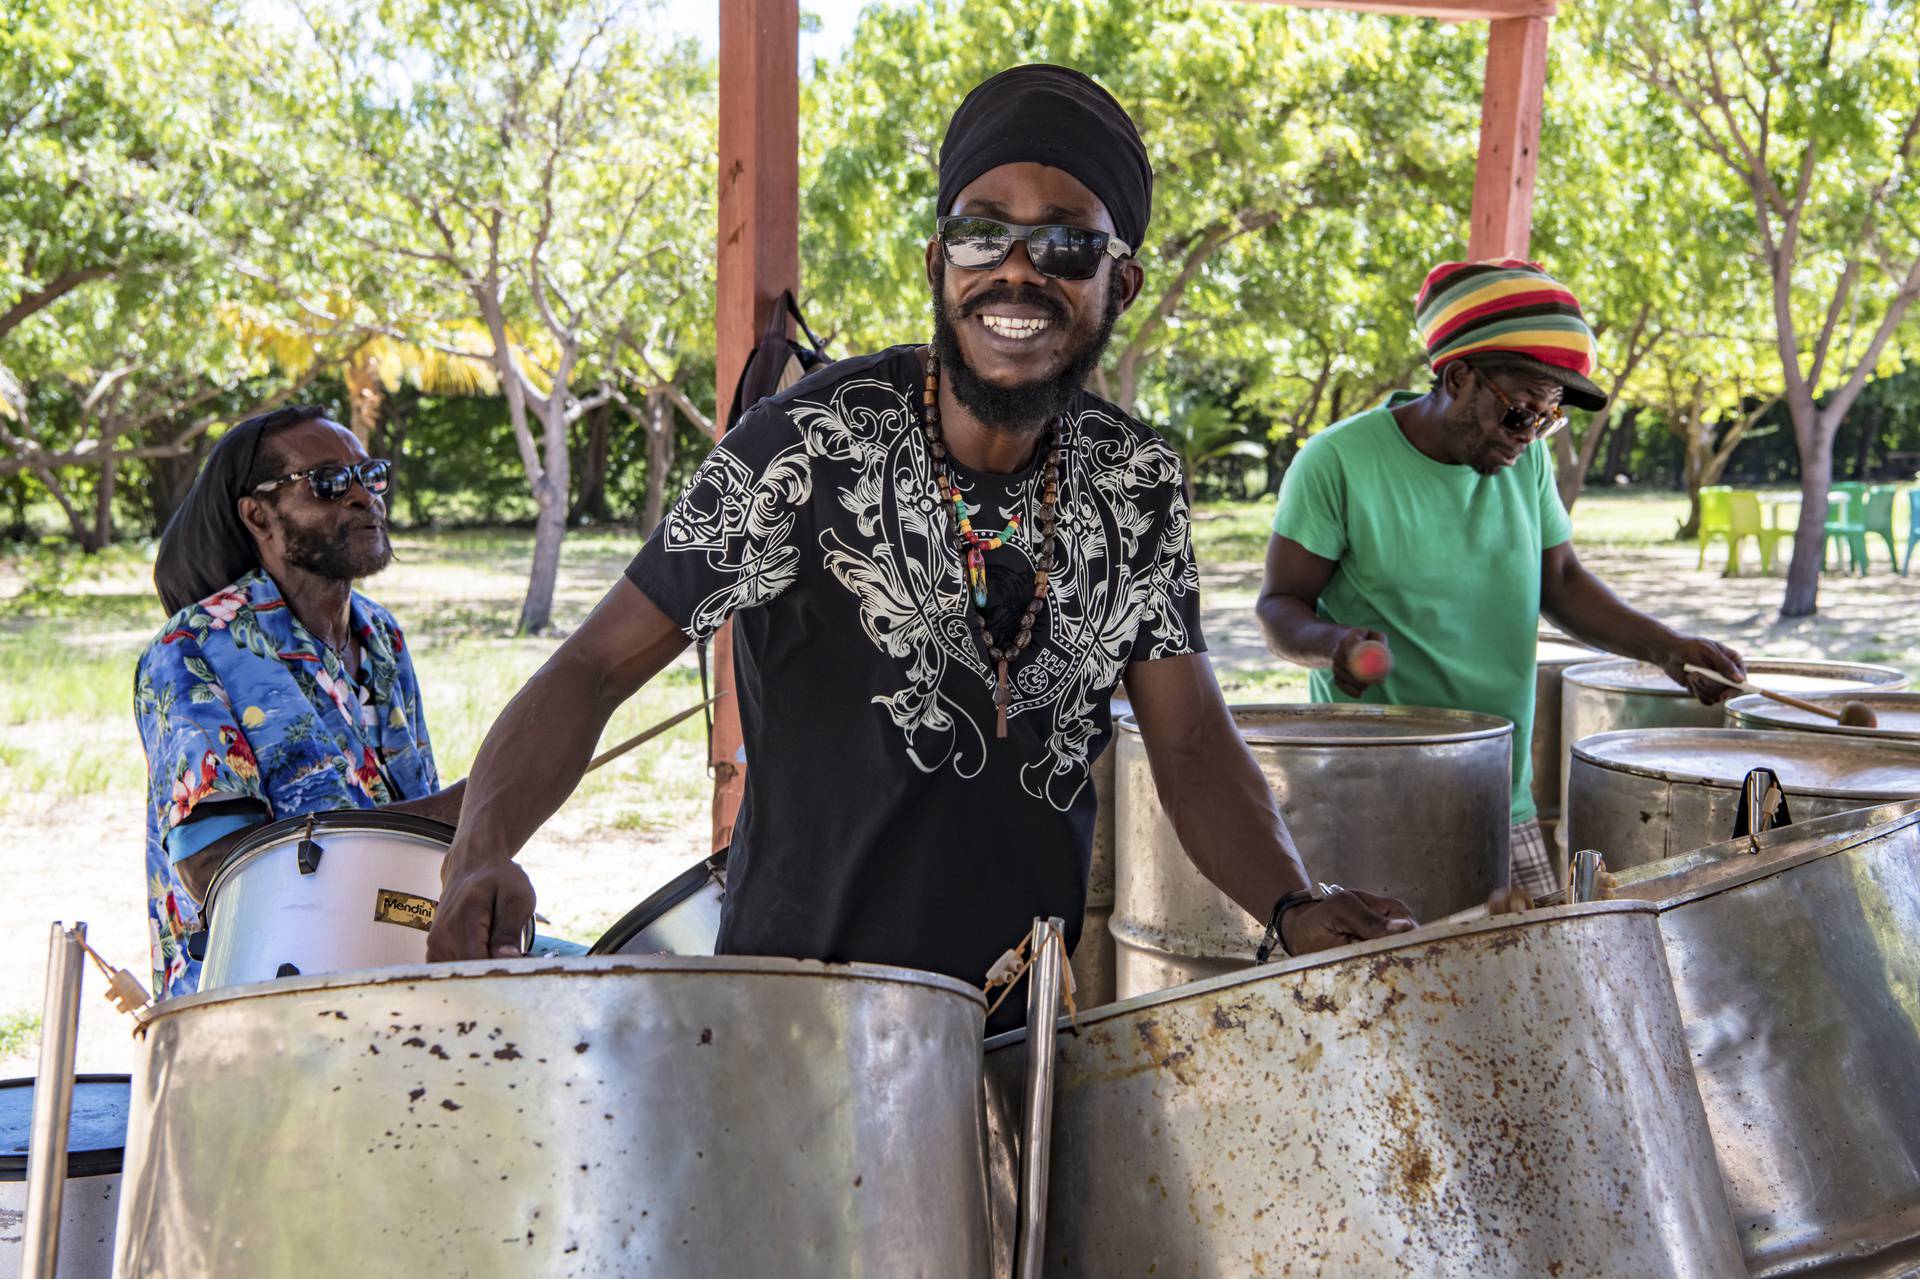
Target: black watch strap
[1272,938]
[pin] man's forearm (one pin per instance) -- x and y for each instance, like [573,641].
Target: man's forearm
[1585,608]
[533,758]
[1296,632]
[1224,814]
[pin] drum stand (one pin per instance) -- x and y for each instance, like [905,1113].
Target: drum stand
[53,1100]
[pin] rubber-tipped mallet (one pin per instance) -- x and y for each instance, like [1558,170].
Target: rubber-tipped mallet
[1370,661]
[1850,714]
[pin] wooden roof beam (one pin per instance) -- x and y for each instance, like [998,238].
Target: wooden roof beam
[1445,10]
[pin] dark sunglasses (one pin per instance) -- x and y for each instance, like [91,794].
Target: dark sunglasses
[1519,421]
[334,480]
[1064,252]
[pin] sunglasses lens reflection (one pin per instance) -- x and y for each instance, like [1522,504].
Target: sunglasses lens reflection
[974,244]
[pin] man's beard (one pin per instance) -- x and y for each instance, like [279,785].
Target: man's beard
[1028,405]
[331,555]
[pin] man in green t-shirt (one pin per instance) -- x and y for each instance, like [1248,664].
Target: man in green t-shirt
[1431,525]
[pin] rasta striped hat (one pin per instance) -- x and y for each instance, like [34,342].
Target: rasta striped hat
[1512,309]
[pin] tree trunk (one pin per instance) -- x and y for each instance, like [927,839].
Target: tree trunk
[103,504]
[1815,439]
[591,504]
[660,450]
[168,479]
[550,524]
[82,531]
[365,397]
[1566,469]
[1626,433]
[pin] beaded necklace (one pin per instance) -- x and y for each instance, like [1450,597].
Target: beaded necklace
[974,545]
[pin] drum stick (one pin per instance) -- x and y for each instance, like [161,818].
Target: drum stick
[1786,699]
[615,752]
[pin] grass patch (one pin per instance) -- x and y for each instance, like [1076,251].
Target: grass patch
[19,1033]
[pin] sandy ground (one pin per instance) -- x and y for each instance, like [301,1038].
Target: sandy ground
[77,860]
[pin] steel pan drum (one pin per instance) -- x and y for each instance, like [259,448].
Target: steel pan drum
[1617,694]
[1503,1098]
[1655,793]
[96,1132]
[1399,800]
[1093,959]
[595,1116]
[681,918]
[1898,715]
[1555,655]
[1798,970]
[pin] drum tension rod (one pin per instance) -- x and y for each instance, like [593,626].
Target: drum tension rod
[309,852]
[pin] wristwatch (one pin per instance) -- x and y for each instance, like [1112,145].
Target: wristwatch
[1272,938]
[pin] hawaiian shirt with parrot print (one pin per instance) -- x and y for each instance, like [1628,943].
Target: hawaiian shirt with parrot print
[247,718]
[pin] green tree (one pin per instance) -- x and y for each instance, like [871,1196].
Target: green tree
[1812,113]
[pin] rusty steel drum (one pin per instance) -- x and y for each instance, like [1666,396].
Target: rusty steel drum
[1508,1097]
[1399,800]
[664,1116]
[1554,656]
[1655,793]
[1618,694]
[1898,715]
[1093,960]
[1796,958]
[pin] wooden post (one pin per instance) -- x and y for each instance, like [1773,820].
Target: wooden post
[759,257]
[1510,109]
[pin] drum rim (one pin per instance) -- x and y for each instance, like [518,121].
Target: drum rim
[661,900]
[332,819]
[105,1162]
[1586,675]
[1763,714]
[1340,954]
[1475,727]
[1733,738]
[563,965]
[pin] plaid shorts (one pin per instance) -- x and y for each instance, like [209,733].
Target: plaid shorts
[1534,870]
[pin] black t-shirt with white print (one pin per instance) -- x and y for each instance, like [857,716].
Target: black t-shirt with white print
[883,821]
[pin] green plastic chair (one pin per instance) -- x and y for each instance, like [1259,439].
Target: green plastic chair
[1878,520]
[1913,527]
[1749,522]
[1844,525]
[1716,520]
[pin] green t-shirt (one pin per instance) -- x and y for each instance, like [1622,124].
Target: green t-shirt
[1443,560]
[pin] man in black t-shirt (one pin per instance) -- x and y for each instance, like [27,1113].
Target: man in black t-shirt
[941,562]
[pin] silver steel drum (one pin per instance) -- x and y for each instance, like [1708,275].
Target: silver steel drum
[96,1132]
[1551,660]
[1093,960]
[1509,1097]
[596,1116]
[1618,694]
[681,918]
[1655,793]
[1898,715]
[1399,800]
[1798,971]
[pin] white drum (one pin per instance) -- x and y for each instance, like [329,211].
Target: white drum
[325,893]
[96,1134]
[682,918]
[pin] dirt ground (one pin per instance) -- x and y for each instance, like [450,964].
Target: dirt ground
[72,860]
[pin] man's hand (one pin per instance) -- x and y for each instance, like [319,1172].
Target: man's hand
[483,911]
[1715,657]
[1345,677]
[1347,915]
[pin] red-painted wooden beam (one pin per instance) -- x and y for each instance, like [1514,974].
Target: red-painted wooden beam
[1510,107]
[759,257]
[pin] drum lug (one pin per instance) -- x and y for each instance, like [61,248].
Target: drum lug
[309,855]
[197,945]
[287,970]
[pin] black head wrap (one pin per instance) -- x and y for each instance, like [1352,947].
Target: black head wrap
[1043,114]
[205,546]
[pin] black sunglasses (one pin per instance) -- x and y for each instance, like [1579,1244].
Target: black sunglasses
[1064,252]
[1519,421]
[334,480]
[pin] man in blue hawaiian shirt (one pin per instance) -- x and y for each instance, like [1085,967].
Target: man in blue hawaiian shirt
[274,689]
